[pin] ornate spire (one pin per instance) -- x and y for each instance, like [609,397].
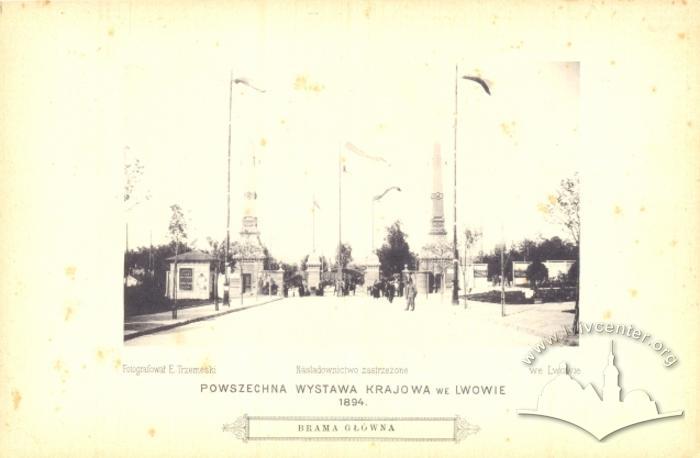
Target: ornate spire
[438,219]
[611,379]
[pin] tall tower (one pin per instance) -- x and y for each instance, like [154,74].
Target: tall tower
[250,234]
[248,251]
[436,256]
[611,379]
[437,230]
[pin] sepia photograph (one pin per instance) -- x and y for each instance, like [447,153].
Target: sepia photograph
[446,191]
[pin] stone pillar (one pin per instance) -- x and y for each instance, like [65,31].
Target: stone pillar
[420,277]
[235,282]
[371,264]
[313,271]
[438,218]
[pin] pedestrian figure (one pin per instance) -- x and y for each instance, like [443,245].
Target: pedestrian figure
[411,293]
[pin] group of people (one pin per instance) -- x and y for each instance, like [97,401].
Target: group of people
[393,287]
[345,287]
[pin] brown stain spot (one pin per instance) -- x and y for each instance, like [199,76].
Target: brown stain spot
[544,209]
[68,312]
[552,199]
[689,123]
[283,121]
[206,364]
[151,431]
[70,272]
[507,439]
[216,45]
[653,89]
[633,293]
[263,142]
[110,31]
[507,128]
[100,355]
[368,11]
[674,242]
[681,35]
[179,338]
[617,210]
[613,63]
[494,19]
[117,363]
[16,398]
[63,371]
[642,209]
[636,241]
[302,83]
[46,2]
[607,315]
[568,44]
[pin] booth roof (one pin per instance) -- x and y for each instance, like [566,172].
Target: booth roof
[193,256]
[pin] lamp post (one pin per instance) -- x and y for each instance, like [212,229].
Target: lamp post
[455,277]
[228,183]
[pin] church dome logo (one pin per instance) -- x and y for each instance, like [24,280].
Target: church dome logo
[564,398]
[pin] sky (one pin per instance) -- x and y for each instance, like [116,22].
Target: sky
[513,147]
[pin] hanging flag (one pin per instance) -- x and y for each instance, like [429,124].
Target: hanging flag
[362,153]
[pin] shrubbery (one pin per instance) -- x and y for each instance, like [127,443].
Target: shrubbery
[494,296]
[563,294]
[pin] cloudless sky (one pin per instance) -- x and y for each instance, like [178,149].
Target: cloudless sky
[514,146]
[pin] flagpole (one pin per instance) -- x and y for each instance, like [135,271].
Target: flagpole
[313,225]
[455,274]
[227,288]
[340,238]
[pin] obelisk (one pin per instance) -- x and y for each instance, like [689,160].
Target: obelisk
[435,258]
[437,231]
[249,251]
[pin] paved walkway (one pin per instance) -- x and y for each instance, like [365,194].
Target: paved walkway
[538,319]
[139,325]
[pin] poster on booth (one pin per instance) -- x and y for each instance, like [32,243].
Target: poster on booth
[363,229]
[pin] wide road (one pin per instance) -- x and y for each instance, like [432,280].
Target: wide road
[362,322]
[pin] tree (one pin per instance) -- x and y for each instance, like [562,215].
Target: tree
[345,254]
[536,273]
[178,232]
[395,253]
[133,195]
[269,261]
[304,263]
[564,210]
[471,236]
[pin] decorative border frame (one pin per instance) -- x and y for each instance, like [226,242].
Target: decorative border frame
[241,428]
